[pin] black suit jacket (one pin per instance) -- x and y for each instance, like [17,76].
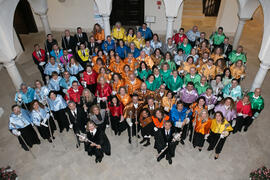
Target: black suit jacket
[92,47]
[101,139]
[83,39]
[49,45]
[228,50]
[162,139]
[198,40]
[79,122]
[71,44]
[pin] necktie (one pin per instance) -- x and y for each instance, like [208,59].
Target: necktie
[83,53]
[39,54]
[75,114]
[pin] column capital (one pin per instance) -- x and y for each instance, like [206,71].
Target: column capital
[264,66]
[9,64]
[170,18]
[243,18]
[106,17]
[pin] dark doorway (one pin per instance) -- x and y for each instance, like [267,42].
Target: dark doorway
[24,21]
[128,12]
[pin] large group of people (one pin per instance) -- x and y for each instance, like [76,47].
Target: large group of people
[188,87]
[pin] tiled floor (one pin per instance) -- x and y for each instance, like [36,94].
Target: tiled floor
[242,152]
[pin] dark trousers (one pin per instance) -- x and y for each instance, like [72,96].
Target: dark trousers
[61,119]
[242,122]
[30,137]
[43,76]
[92,150]
[92,88]
[169,152]
[132,129]
[44,131]
[198,139]
[117,126]
[213,139]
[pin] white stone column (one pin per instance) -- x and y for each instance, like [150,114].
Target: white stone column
[107,26]
[13,73]
[170,21]
[238,32]
[45,23]
[258,81]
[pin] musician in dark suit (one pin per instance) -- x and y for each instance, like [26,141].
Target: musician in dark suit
[81,37]
[202,38]
[69,42]
[99,144]
[92,45]
[163,138]
[226,47]
[77,118]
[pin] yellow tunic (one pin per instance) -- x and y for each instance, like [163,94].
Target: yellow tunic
[86,55]
[186,67]
[129,38]
[215,57]
[237,72]
[133,87]
[147,59]
[118,33]
[167,103]
[219,128]
[209,73]
[140,43]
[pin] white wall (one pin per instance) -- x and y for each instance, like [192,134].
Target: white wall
[69,14]
[227,16]
[151,9]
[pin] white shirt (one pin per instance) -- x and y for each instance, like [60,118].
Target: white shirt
[136,105]
[74,112]
[93,132]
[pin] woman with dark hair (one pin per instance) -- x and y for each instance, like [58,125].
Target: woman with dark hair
[123,96]
[226,106]
[151,84]
[99,117]
[58,105]
[217,54]
[130,36]
[226,77]
[220,66]
[168,59]
[143,71]
[147,126]
[202,129]
[42,119]
[157,56]
[186,66]
[104,73]
[41,92]
[121,49]
[101,55]
[196,109]
[165,72]
[168,101]
[103,92]
[155,42]
[116,108]
[99,64]
[219,131]
[116,83]
[159,118]
[98,33]
[125,72]
[74,68]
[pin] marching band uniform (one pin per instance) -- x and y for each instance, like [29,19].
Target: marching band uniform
[174,83]
[244,116]
[100,120]
[40,59]
[228,112]
[40,119]
[202,129]
[192,78]
[102,94]
[116,113]
[201,88]
[21,126]
[125,100]
[98,137]
[41,94]
[234,56]
[257,104]
[216,131]
[49,68]
[58,107]
[234,93]
[74,94]
[26,98]
[91,80]
[188,97]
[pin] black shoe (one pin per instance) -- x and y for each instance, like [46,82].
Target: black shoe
[53,137]
[200,150]
[147,143]
[97,160]
[50,141]
[194,146]
[129,140]
[119,133]
[159,158]
[142,141]
[215,158]
[170,161]
[209,149]
[115,133]
[182,142]
[245,129]
[139,136]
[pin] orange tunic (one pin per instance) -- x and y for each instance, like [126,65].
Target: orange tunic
[186,67]
[126,99]
[147,59]
[117,85]
[100,35]
[97,67]
[156,60]
[107,77]
[132,87]
[116,67]
[237,72]
[202,51]
[159,124]
[215,57]
[196,110]
[209,73]
[133,64]
[219,70]
[94,59]
[203,128]
[167,103]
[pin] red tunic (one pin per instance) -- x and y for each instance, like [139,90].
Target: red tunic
[178,39]
[37,57]
[103,92]
[116,110]
[74,96]
[90,78]
[244,109]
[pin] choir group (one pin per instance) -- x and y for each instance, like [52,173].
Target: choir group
[188,87]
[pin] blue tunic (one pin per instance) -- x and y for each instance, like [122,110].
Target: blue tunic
[20,121]
[57,104]
[122,51]
[235,93]
[54,85]
[175,115]
[74,69]
[147,33]
[27,97]
[39,116]
[106,46]
[41,94]
[67,85]
[52,53]
[49,68]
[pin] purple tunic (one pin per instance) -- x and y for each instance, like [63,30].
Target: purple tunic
[209,100]
[188,96]
[229,114]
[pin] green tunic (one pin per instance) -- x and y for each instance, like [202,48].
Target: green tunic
[257,104]
[186,49]
[233,56]
[158,81]
[171,64]
[201,89]
[174,85]
[152,86]
[226,81]
[195,79]
[143,74]
[217,38]
[165,75]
